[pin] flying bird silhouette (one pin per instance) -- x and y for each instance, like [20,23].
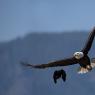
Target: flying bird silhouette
[59,74]
[80,58]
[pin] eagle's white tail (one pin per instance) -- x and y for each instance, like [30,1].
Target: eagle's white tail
[82,70]
[85,70]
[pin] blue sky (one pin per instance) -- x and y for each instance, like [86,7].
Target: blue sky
[19,17]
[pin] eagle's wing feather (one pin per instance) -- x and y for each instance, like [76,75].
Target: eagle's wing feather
[88,44]
[65,62]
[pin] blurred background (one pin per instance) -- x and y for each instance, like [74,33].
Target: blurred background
[39,31]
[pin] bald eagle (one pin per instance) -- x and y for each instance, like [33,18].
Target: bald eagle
[81,57]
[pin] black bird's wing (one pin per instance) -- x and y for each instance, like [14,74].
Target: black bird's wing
[65,62]
[63,75]
[88,44]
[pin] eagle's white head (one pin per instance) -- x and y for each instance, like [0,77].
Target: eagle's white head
[78,55]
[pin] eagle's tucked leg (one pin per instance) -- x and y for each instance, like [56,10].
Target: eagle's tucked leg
[59,74]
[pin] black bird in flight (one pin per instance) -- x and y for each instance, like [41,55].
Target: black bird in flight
[59,74]
[81,58]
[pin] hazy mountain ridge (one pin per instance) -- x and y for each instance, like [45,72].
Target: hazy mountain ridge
[41,48]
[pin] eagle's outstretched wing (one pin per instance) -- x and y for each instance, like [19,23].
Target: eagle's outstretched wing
[65,62]
[88,44]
